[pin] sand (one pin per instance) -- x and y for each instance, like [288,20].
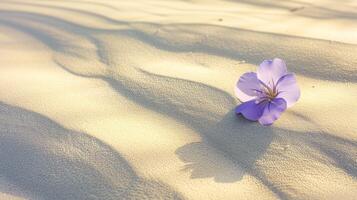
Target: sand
[105,99]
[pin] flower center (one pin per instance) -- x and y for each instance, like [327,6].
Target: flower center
[270,92]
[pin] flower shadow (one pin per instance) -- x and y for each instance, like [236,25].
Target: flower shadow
[240,141]
[202,162]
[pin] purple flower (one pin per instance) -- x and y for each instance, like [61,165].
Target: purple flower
[267,93]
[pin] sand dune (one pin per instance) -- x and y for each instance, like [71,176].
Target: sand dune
[134,100]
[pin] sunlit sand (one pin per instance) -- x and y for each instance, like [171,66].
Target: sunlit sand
[103,99]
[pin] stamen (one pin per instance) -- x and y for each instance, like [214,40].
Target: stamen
[269,92]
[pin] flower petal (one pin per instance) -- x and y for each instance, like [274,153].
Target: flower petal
[251,109]
[270,71]
[247,87]
[288,89]
[272,111]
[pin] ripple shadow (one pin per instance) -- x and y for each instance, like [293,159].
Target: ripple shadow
[51,162]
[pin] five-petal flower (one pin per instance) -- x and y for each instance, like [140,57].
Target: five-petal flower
[267,93]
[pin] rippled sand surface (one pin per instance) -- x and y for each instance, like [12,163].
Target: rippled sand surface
[121,99]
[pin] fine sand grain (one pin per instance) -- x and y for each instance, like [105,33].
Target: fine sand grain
[103,99]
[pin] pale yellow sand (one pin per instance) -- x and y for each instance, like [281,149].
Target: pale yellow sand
[134,100]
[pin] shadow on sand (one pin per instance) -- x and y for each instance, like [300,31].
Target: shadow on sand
[49,161]
[236,139]
[251,46]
